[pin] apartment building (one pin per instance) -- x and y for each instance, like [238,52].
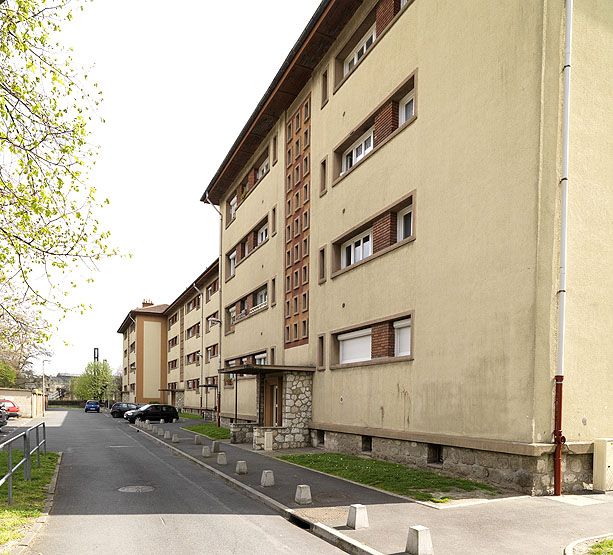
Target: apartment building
[163,346]
[390,240]
[144,355]
[192,345]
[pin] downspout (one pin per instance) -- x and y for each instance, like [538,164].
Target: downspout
[558,438]
[219,367]
[201,344]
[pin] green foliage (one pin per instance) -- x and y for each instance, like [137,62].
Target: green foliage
[424,485]
[96,382]
[48,227]
[28,497]
[190,416]
[209,430]
[604,547]
[8,375]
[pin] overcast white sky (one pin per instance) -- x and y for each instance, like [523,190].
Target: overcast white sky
[180,80]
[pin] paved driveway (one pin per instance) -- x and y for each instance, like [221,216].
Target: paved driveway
[186,510]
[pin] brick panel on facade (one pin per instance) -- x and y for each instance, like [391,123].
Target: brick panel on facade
[384,231]
[386,121]
[382,338]
[386,10]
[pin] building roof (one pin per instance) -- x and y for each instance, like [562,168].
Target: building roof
[199,282]
[153,309]
[312,45]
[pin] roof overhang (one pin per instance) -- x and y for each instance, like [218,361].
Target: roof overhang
[312,45]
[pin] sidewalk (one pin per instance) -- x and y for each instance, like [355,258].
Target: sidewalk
[512,525]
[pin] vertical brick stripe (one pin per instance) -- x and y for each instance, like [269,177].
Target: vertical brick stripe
[384,231]
[386,121]
[386,10]
[382,340]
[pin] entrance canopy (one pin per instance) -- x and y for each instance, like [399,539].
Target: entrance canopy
[259,369]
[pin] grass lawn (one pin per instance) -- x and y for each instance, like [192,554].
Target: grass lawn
[604,547]
[28,497]
[424,485]
[190,416]
[209,430]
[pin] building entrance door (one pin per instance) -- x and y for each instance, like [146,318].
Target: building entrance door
[272,401]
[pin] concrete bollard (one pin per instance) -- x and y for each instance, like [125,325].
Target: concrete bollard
[303,494]
[197,440]
[147,421]
[206,451]
[419,541]
[215,447]
[357,517]
[154,430]
[167,434]
[175,438]
[161,432]
[241,467]
[221,458]
[268,479]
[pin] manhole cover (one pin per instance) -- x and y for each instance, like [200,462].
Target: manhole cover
[136,489]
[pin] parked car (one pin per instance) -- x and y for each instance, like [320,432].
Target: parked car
[167,413]
[119,409]
[93,406]
[10,407]
[4,417]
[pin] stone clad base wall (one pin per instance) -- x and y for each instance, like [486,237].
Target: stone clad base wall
[283,437]
[529,475]
[241,432]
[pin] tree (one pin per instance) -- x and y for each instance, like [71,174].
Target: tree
[7,375]
[95,383]
[48,227]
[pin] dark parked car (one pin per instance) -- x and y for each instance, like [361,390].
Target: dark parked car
[167,413]
[119,409]
[93,406]
[10,407]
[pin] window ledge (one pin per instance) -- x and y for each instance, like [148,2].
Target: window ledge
[256,248]
[230,277]
[376,148]
[383,33]
[373,256]
[372,362]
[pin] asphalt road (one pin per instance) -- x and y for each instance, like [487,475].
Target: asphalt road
[187,510]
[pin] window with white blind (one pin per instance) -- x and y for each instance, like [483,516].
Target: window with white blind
[356,249]
[262,234]
[260,359]
[233,207]
[402,337]
[406,108]
[359,51]
[355,346]
[232,263]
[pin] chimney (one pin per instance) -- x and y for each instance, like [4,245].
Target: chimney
[147,302]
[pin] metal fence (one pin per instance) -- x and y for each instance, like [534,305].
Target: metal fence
[28,452]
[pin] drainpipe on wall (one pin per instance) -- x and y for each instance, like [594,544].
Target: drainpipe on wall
[558,438]
[219,367]
[201,293]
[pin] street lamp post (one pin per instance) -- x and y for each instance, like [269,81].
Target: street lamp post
[218,322]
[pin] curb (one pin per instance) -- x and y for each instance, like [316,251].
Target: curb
[24,543]
[326,533]
[570,548]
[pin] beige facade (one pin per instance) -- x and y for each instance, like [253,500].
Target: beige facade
[433,230]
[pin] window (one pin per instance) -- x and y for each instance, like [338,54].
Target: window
[211,321]
[233,206]
[322,176]
[307,110]
[260,359]
[305,301]
[191,358]
[289,131]
[406,108]
[262,234]
[273,291]
[305,328]
[321,361]
[354,346]
[305,247]
[296,174]
[261,297]
[324,88]
[357,151]
[211,290]
[133,346]
[305,165]
[232,263]
[288,233]
[232,314]
[305,193]
[273,219]
[305,220]
[262,170]
[211,352]
[287,309]
[356,249]
[360,50]
[172,364]
[402,337]
[289,181]
[297,148]
[173,342]
[194,331]
[193,303]
[405,223]
[322,264]
[297,121]
[307,138]
[289,156]
[295,305]
[305,274]
[274,149]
